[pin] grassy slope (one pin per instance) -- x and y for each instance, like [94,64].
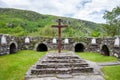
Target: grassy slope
[14,66]
[35,24]
[96,57]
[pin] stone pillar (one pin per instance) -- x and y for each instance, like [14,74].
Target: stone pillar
[93,46]
[4,47]
[116,48]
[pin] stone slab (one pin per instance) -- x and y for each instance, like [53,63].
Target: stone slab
[81,77]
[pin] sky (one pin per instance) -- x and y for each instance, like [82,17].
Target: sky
[90,10]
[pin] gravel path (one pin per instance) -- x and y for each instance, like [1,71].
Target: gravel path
[109,63]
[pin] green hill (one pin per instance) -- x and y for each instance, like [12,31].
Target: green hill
[28,23]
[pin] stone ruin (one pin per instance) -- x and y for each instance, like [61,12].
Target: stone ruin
[67,65]
[106,46]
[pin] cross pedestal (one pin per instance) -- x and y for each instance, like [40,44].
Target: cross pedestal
[59,26]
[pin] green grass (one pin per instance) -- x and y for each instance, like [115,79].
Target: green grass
[96,57]
[14,66]
[111,72]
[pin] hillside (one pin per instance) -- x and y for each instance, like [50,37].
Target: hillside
[28,23]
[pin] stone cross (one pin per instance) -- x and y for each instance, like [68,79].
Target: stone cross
[59,26]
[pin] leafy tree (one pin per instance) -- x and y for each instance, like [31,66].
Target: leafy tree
[112,25]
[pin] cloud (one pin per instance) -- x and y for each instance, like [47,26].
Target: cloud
[2,4]
[91,10]
[94,10]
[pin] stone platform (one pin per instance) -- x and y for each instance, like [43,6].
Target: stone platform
[60,66]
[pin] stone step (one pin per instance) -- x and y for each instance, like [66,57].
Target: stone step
[42,71]
[63,57]
[50,71]
[61,65]
[63,76]
[61,70]
[63,61]
[82,70]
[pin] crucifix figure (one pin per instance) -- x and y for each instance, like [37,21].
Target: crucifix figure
[59,26]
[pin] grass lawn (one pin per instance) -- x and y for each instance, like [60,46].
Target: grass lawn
[96,57]
[14,66]
[111,72]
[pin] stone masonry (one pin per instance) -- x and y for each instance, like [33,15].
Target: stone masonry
[104,46]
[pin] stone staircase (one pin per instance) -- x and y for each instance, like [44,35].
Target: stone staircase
[60,66]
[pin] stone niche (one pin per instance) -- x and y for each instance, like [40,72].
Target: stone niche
[54,41]
[116,48]
[116,52]
[117,42]
[3,40]
[93,45]
[3,45]
[27,43]
[27,40]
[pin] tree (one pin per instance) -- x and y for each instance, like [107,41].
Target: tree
[112,25]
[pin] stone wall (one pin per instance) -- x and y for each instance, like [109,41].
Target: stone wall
[35,41]
[108,42]
[104,46]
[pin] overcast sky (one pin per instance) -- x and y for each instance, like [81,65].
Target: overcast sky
[91,10]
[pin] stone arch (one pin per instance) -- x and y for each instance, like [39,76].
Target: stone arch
[105,50]
[41,47]
[13,47]
[79,47]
